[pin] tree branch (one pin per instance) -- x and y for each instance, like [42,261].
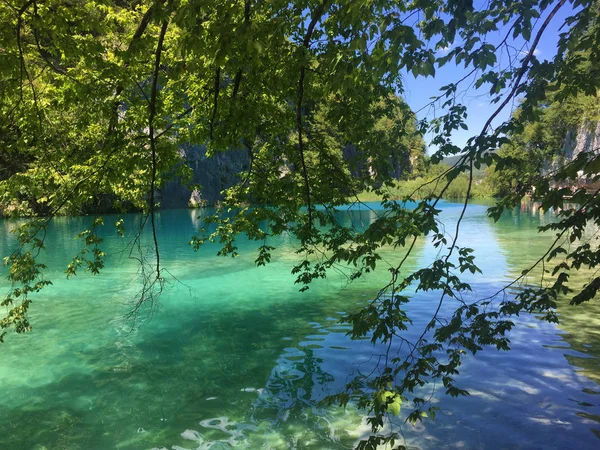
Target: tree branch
[238,75]
[299,97]
[524,65]
[152,115]
[216,88]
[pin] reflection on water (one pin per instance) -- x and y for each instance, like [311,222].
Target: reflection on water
[236,357]
[581,325]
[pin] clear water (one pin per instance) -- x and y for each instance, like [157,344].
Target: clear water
[236,357]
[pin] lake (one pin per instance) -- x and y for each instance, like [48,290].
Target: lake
[233,356]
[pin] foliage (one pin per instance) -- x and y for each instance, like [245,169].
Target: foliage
[97,95]
[543,143]
[430,183]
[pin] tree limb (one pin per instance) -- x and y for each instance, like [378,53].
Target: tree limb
[299,97]
[152,114]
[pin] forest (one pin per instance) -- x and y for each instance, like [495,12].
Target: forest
[281,114]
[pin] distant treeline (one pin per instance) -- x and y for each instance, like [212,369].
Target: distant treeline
[558,132]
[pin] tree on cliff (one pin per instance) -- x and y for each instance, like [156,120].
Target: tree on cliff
[547,142]
[96,96]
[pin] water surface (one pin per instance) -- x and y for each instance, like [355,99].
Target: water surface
[235,357]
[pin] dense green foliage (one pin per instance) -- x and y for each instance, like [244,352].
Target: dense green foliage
[429,182]
[96,96]
[545,142]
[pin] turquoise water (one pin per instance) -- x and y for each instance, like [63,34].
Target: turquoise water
[235,357]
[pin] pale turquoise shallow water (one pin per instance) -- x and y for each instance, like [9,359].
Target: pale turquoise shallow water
[236,357]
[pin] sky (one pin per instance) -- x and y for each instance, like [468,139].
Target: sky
[418,91]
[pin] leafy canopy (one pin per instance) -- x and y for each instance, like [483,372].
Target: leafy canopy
[97,96]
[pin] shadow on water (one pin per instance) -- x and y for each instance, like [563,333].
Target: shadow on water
[577,336]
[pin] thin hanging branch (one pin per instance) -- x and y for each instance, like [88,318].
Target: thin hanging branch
[216,88]
[137,35]
[152,115]
[299,98]
[238,75]
[469,157]
[236,83]
[24,73]
[524,66]
[522,70]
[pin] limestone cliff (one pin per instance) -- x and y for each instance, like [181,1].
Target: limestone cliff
[212,174]
[216,173]
[584,139]
[587,140]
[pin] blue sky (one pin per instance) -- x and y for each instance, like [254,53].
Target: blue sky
[418,91]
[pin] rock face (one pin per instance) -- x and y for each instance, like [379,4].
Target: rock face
[587,140]
[399,162]
[212,174]
[584,139]
[221,171]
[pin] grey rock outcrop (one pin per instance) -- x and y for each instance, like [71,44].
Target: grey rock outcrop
[213,175]
[399,162]
[222,170]
[584,139]
[587,140]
